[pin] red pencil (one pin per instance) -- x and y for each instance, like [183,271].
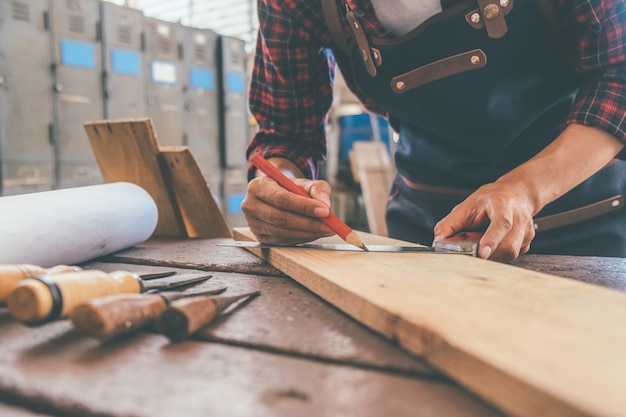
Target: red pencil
[333,222]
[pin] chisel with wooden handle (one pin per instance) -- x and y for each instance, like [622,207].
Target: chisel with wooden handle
[184,317]
[124,314]
[10,275]
[44,298]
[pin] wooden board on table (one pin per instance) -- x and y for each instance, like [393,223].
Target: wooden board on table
[532,344]
[372,168]
[128,150]
[200,212]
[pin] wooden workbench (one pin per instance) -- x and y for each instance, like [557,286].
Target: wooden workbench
[285,353]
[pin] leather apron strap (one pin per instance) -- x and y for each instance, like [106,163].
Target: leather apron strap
[331,14]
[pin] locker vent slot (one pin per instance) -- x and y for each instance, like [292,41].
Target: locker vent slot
[199,53]
[124,34]
[163,44]
[20,11]
[76,23]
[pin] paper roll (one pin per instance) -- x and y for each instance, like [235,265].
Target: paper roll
[74,225]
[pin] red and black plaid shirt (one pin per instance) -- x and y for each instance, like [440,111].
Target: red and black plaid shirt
[291,90]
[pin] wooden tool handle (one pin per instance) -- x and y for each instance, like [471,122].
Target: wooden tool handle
[115,315]
[10,275]
[48,297]
[185,317]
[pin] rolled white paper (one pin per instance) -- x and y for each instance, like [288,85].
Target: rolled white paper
[73,225]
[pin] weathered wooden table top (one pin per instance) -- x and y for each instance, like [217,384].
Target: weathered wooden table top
[285,353]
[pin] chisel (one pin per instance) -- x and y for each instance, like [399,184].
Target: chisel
[43,298]
[124,314]
[10,275]
[184,317]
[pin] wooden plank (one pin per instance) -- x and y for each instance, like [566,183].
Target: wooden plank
[372,168]
[200,212]
[127,150]
[531,343]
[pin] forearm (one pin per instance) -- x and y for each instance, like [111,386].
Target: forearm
[578,153]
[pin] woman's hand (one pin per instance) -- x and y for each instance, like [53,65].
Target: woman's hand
[279,217]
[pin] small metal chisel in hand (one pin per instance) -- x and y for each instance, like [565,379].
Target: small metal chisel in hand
[184,317]
[44,298]
[124,314]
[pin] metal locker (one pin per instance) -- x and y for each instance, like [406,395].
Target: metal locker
[77,88]
[122,62]
[201,103]
[163,80]
[235,187]
[26,154]
[235,128]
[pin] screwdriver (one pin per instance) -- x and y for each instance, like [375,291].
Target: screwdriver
[123,314]
[10,275]
[43,298]
[184,317]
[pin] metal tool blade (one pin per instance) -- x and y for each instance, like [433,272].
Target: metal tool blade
[178,282]
[351,248]
[156,275]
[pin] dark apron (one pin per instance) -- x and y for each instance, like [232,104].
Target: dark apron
[508,99]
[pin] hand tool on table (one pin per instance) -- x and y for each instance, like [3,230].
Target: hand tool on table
[464,243]
[184,317]
[333,222]
[10,275]
[124,314]
[43,298]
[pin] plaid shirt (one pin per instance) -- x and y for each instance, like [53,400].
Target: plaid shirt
[291,89]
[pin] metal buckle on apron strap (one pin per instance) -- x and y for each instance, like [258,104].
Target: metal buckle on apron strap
[371,57]
[490,14]
[544,223]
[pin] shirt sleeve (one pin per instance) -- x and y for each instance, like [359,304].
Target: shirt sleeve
[291,88]
[600,28]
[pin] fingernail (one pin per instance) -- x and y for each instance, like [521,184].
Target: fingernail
[485,252]
[437,239]
[321,211]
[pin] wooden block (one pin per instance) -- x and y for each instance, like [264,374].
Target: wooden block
[372,168]
[200,212]
[127,150]
[532,344]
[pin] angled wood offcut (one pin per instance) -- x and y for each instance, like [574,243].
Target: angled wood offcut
[128,150]
[530,343]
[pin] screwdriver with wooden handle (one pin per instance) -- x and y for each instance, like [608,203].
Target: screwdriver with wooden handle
[10,275]
[184,317]
[44,298]
[124,314]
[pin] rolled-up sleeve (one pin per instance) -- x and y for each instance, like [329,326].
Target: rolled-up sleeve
[600,27]
[291,88]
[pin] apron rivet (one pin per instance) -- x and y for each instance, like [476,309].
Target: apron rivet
[475,59]
[364,55]
[491,11]
[400,85]
[356,25]
[504,3]
[615,203]
[475,18]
